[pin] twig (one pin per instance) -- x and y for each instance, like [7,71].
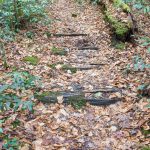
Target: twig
[88,48]
[86,68]
[97,64]
[69,34]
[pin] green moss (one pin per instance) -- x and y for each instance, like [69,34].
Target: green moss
[117,2]
[65,67]
[58,51]
[47,93]
[33,60]
[120,45]
[120,29]
[53,66]
[69,67]
[77,101]
[125,7]
[47,97]
[145,132]
[122,5]
[146,148]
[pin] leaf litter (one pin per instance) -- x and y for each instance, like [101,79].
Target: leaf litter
[62,127]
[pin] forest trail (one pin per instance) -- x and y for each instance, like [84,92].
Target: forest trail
[61,127]
[73,18]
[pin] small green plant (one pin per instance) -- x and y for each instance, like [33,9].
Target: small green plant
[11,143]
[145,42]
[95,1]
[30,34]
[13,87]
[33,60]
[15,123]
[139,64]
[58,51]
[16,14]
[20,81]
[48,34]
[141,5]
[80,1]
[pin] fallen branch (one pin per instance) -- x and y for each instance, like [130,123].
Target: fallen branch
[86,68]
[69,34]
[92,64]
[103,90]
[98,64]
[88,48]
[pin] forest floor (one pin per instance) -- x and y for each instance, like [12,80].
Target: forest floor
[61,127]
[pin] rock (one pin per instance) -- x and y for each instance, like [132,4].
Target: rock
[113,128]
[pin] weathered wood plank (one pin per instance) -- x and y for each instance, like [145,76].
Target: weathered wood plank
[51,97]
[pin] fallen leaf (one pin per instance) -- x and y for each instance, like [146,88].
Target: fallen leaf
[60,99]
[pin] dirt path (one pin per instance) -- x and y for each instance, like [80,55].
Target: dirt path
[61,127]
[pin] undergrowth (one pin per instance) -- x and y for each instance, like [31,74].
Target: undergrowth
[15,97]
[17,14]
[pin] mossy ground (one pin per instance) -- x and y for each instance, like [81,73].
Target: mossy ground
[58,51]
[33,60]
